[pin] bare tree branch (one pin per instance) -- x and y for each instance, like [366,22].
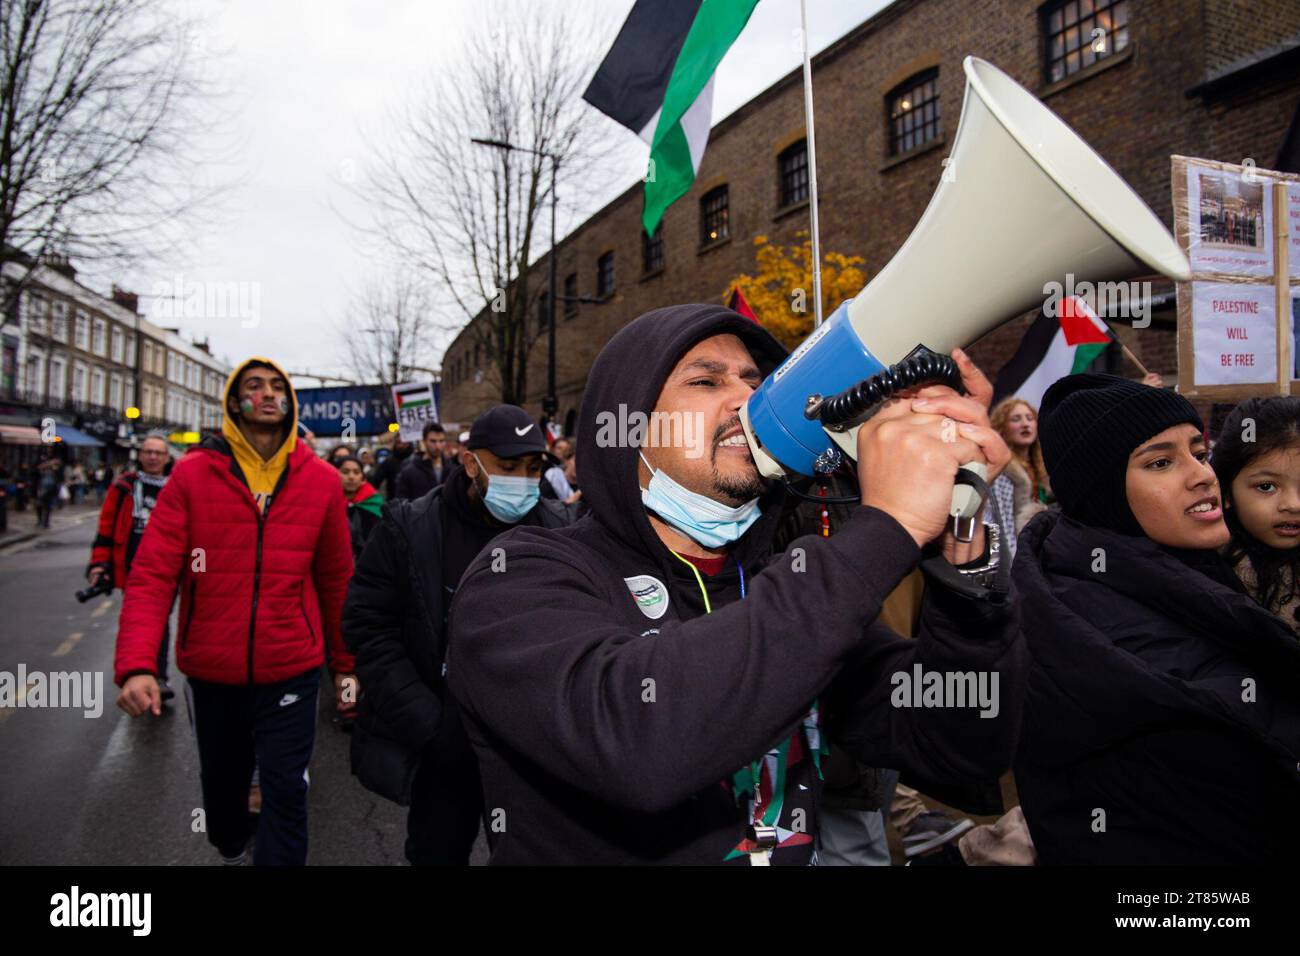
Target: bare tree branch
[387,335]
[469,216]
[100,101]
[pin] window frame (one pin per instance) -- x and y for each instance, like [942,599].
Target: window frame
[708,199]
[783,175]
[604,274]
[1115,43]
[571,295]
[900,92]
[652,250]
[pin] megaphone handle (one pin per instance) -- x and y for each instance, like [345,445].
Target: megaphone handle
[969,494]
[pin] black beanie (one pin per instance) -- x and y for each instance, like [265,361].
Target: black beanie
[1089,424]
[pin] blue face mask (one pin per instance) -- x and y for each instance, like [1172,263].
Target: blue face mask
[508,497]
[708,522]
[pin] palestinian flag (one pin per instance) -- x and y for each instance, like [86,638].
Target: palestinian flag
[738,303]
[1054,347]
[657,80]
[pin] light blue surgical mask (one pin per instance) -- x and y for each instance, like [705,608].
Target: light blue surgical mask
[708,522]
[509,497]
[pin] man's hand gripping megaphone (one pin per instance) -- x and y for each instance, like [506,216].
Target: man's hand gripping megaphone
[910,449]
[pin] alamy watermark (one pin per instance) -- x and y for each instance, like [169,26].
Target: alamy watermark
[1110,300]
[637,429]
[78,690]
[920,688]
[179,299]
[75,908]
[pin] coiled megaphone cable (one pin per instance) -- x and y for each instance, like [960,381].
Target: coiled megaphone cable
[921,367]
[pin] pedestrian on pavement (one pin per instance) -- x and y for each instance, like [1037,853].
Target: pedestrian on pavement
[1161,724]
[649,684]
[425,471]
[338,453]
[77,482]
[24,484]
[122,521]
[253,531]
[365,504]
[409,744]
[49,482]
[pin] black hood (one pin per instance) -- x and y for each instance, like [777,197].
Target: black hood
[630,371]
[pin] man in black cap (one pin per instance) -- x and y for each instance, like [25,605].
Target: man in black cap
[409,744]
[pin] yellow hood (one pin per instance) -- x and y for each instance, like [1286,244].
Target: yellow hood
[262,475]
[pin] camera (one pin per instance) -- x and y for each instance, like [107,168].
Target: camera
[103,586]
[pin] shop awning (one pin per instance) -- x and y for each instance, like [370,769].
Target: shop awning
[72,436]
[19,435]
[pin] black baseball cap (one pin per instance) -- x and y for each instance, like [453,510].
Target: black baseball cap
[508,432]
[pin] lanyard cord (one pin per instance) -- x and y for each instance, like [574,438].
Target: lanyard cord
[755,767]
[708,608]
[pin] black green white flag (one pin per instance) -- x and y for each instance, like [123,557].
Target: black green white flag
[657,80]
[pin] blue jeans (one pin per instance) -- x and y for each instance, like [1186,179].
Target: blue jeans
[272,727]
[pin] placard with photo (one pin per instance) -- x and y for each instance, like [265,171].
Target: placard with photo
[1230,221]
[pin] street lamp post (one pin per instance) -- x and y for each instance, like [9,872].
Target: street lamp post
[550,404]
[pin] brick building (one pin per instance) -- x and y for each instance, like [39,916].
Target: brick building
[1213,78]
[79,360]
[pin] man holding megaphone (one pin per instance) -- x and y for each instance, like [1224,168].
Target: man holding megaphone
[654,685]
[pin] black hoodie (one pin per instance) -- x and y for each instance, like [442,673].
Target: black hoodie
[611,715]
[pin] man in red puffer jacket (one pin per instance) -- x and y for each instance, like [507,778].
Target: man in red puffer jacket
[252,530]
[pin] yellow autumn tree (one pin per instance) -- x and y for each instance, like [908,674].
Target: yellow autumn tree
[781,290]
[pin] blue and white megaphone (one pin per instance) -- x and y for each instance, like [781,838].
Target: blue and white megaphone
[1024,201]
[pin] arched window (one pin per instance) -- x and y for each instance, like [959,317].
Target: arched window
[913,112]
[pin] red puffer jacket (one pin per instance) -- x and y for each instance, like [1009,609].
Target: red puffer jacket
[115,520]
[261,595]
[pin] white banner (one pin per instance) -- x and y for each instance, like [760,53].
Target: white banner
[1234,333]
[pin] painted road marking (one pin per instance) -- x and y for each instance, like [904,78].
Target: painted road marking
[6,712]
[69,644]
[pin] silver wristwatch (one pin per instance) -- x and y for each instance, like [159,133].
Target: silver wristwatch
[985,575]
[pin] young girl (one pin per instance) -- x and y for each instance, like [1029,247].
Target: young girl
[1022,490]
[1161,723]
[1257,459]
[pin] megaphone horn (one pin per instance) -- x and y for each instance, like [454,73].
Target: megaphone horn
[1028,202]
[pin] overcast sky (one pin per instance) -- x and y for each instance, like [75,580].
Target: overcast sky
[310,81]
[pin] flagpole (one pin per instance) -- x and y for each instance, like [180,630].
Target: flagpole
[1129,353]
[812,166]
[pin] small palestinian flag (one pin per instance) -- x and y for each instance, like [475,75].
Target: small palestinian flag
[738,303]
[1054,347]
[657,80]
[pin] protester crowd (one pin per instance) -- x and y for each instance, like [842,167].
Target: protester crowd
[665,658]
